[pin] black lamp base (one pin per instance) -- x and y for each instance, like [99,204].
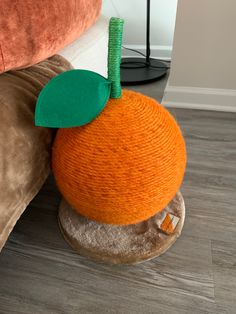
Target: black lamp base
[135,71]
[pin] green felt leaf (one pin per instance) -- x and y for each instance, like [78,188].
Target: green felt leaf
[73,98]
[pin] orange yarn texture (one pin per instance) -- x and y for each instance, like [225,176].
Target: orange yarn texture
[123,167]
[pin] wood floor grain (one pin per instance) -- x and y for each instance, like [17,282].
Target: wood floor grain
[40,273]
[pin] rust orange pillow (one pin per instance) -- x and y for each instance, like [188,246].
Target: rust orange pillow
[31,31]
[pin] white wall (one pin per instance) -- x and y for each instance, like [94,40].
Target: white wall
[203,71]
[163,13]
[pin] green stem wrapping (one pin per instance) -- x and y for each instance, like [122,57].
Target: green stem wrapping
[114,55]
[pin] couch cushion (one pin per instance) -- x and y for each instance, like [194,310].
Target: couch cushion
[93,45]
[31,31]
[24,148]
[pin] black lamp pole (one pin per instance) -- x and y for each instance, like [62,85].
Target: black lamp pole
[136,71]
[148,50]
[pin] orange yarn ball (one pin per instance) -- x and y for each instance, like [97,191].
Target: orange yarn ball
[124,166]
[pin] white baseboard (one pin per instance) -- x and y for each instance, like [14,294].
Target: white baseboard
[161,52]
[200,98]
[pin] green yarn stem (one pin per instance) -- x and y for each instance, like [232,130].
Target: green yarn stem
[114,55]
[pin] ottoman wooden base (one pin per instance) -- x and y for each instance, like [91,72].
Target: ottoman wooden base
[120,244]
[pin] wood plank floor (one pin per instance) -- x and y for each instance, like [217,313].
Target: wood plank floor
[40,273]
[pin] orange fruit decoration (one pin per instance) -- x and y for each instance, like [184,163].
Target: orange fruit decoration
[124,166]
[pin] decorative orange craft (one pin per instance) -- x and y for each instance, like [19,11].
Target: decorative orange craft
[123,167]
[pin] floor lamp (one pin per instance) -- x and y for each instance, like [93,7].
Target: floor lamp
[142,70]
